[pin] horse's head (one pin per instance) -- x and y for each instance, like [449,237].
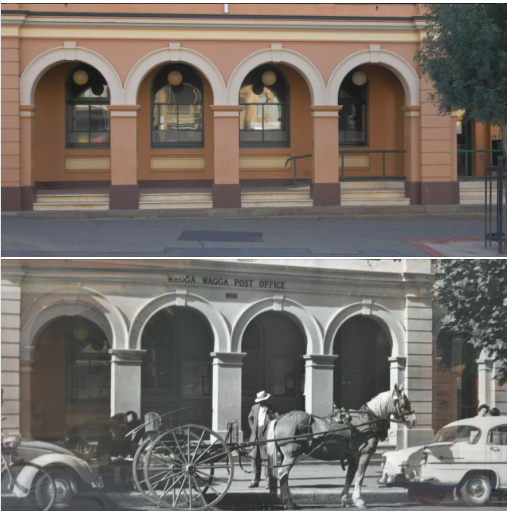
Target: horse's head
[402,409]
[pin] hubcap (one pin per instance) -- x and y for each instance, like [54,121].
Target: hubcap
[63,491]
[477,488]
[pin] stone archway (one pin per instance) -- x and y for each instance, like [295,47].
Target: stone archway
[175,53]
[375,55]
[69,52]
[277,54]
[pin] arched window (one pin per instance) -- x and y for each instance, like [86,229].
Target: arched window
[264,118]
[354,114]
[177,108]
[87,112]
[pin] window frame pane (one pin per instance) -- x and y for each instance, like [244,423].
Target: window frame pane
[345,134]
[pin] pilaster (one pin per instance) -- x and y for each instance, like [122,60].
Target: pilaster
[124,191]
[326,185]
[226,187]
[319,370]
[126,380]
[226,390]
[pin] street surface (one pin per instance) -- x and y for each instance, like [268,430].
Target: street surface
[233,237]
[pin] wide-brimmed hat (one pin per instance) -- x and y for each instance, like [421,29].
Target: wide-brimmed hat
[262,396]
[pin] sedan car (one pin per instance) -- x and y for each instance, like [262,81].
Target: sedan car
[71,474]
[466,459]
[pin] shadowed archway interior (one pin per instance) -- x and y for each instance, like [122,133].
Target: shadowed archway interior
[176,368]
[362,367]
[274,345]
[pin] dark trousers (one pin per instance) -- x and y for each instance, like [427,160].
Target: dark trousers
[259,457]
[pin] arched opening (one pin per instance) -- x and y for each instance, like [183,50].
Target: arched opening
[176,368]
[70,388]
[71,128]
[371,119]
[175,129]
[455,388]
[274,345]
[362,367]
[275,124]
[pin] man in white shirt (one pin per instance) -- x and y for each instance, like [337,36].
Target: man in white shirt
[260,415]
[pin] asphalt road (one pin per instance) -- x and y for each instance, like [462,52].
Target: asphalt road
[222,237]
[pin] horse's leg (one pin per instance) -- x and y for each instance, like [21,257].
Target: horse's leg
[351,472]
[287,500]
[364,459]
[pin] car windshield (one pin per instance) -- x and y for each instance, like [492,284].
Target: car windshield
[468,434]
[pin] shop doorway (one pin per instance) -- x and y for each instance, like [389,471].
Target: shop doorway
[274,345]
[176,369]
[362,367]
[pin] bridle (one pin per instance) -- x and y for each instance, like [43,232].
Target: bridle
[399,413]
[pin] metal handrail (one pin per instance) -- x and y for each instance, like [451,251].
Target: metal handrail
[296,158]
[467,151]
[343,152]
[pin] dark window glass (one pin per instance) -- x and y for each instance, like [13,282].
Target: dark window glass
[177,118]
[353,115]
[87,112]
[264,116]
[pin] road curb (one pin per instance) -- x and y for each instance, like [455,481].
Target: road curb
[465,211]
[259,499]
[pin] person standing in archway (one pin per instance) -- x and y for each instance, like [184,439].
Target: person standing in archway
[260,415]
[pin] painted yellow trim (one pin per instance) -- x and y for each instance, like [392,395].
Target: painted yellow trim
[10,31]
[218,34]
[246,163]
[87,163]
[177,163]
[355,161]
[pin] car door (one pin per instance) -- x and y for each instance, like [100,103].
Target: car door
[496,452]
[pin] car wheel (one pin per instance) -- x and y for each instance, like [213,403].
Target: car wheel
[476,490]
[66,489]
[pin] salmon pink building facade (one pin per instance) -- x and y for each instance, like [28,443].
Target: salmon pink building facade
[118,106]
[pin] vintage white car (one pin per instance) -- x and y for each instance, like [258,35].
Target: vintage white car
[467,459]
[71,474]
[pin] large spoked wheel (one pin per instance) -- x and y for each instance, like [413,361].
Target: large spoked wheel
[185,463]
[138,469]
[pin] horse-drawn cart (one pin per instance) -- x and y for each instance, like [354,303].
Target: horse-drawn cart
[191,467]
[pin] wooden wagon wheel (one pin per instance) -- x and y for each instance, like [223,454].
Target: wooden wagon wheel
[138,469]
[184,463]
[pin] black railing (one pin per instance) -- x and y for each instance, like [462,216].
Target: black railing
[495,219]
[295,159]
[467,153]
[343,152]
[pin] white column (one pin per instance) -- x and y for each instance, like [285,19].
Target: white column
[486,384]
[397,367]
[418,375]
[126,380]
[11,324]
[226,391]
[319,370]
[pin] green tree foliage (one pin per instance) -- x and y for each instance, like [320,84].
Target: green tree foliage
[473,292]
[464,54]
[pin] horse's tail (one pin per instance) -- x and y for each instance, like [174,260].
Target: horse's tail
[272,452]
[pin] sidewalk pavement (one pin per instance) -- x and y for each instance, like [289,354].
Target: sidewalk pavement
[311,483]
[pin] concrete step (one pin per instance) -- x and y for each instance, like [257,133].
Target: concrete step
[474,200]
[386,194]
[375,201]
[273,203]
[70,197]
[174,196]
[372,185]
[305,194]
[176,204]
[71,206]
